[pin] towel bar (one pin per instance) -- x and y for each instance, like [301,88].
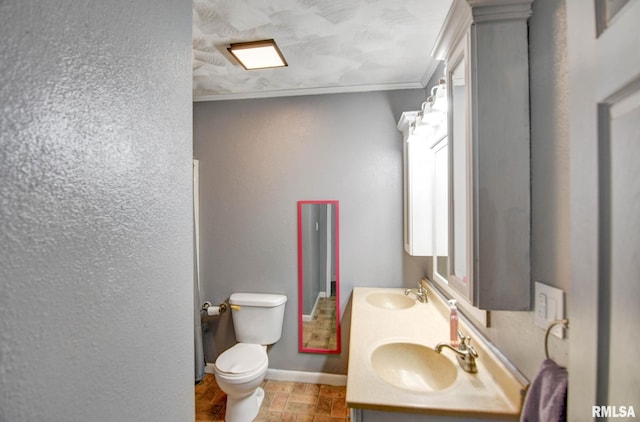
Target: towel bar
[565,324]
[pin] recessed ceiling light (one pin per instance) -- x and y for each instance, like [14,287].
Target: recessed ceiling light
[258,54]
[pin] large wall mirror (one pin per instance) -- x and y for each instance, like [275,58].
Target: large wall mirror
[318,277]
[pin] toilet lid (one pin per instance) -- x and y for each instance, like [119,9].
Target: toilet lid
[241,358]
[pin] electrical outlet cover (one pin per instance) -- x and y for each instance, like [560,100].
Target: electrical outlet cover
[549,306]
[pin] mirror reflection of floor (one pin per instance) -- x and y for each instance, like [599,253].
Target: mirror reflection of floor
[320,333]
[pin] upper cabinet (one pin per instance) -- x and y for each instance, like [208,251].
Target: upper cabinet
[484,45]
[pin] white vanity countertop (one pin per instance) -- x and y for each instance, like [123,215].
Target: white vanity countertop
[491,392]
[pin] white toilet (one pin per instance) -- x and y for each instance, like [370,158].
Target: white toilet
[257,321]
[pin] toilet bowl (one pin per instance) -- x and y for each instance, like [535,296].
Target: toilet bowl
[257,320]
[239,372]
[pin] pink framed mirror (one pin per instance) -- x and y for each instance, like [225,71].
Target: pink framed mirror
[318,277]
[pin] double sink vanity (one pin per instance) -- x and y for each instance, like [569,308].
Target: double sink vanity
[394,367]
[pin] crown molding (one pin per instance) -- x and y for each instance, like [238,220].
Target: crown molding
[307,91]
[499,10]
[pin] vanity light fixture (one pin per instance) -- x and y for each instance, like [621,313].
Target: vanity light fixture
[434,110]
[440,96]
[258,54]
[429,115]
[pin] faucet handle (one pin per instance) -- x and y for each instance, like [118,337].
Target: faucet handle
[465,344]
[472,351]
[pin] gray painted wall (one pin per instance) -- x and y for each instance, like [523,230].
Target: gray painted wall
[257,159]
[96,269]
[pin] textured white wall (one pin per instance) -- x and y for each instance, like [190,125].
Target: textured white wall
[95,211]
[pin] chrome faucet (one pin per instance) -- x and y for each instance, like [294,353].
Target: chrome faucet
[465,353]
[420,292]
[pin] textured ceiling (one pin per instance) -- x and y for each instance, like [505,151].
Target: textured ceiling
[330,45]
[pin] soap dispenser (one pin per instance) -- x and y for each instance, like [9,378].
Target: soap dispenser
[453,323]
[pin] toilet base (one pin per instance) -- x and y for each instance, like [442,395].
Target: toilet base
[244,409]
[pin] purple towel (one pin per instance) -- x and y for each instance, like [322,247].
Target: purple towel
[546,399]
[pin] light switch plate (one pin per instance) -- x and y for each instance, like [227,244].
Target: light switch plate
[549,306]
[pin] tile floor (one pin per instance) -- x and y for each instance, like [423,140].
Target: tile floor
[284,401]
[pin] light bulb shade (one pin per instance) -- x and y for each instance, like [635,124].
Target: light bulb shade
[440,98]
[422,129]
[429,115]
[258,54]
[433,118]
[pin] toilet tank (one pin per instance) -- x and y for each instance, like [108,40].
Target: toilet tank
[257,317]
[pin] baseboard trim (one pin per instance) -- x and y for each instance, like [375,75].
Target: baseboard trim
[309,318]
[297,376]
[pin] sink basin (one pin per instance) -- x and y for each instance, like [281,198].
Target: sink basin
[413,367]
[390,300]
